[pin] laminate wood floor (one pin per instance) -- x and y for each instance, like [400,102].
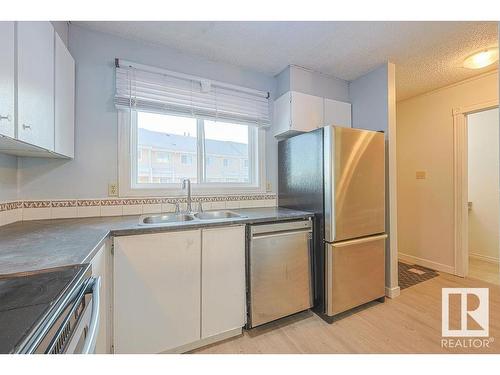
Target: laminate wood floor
[410,323]
[486,271]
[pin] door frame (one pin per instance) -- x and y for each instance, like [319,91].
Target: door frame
[460,182]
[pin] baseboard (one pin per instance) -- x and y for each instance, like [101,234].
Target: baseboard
[204,342]
[485,258]
[426,263]
[392,292]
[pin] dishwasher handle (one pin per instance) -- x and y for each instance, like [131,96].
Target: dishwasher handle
[280,227]
[280,234]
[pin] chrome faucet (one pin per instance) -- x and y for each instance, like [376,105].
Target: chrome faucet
[186,182]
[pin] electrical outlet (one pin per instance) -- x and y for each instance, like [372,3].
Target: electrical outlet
[112,190]
[269,186]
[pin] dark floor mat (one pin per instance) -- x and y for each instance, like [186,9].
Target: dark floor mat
[411,274]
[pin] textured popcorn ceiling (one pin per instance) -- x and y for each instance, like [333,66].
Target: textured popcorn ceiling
[428,55]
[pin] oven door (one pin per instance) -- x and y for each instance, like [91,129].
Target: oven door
[75,329]
[85,331]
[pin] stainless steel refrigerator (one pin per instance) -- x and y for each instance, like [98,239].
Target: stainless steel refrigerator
[339,174]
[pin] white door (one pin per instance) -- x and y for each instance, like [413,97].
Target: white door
[64,99]
[156,291]
[35,83]
[223,280]
[7,78]
[100,267]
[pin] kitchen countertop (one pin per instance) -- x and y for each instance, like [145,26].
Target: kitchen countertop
[39,244]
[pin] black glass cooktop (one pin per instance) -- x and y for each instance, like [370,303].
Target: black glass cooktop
[26,300]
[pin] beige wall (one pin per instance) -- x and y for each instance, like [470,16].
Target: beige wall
[425,143]
[484,192]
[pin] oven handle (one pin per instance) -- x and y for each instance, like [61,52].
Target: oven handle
[93,287]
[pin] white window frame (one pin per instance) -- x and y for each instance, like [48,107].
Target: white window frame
[127,136]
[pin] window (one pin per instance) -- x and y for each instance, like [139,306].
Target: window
[172,141]
[161,157]
[186,159]
[231,144]
[212,154]
[174,126]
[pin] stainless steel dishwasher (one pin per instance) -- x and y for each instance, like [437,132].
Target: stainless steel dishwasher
[279,270]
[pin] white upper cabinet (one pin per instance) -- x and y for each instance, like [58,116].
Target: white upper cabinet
[7,60]
[337,113]
[44,92]
[296,112]
[35,83]
[64,99]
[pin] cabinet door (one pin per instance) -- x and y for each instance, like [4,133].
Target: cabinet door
[223,280]
[307,112]
[337,113]
[156,291]
[7,78]
[64,99]
[282,121]
[35,83]
[101,267]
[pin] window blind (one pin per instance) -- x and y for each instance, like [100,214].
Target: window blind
[157,90]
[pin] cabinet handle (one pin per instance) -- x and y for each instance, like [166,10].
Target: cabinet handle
[26,126]
[5,118]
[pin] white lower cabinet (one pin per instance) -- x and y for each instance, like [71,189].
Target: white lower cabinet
[101,266]
[223,303]
[176,291]
[156,291]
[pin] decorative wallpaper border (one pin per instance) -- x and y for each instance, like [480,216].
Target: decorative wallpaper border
[6,206]
[14,211]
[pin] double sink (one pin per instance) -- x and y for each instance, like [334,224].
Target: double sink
[182,217]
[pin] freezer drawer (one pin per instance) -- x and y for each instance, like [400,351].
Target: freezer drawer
[279,272]
[355,273]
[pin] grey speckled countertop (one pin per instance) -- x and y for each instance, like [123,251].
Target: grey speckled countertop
[33,245]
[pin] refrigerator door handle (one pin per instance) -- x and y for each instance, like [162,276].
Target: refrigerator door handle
[359,240]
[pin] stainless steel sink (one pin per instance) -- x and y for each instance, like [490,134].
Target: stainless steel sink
[178,217]
[214,215]
[165,218]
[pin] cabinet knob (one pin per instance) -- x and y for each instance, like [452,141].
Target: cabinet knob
[8,118]
[26,126]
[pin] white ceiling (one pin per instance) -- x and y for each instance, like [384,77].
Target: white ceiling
[428,55]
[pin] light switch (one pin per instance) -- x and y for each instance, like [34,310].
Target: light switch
[421,175]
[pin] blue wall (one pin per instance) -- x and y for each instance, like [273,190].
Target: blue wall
[368,95]
[96,135]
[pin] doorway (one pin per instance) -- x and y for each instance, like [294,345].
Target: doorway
[483,195]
